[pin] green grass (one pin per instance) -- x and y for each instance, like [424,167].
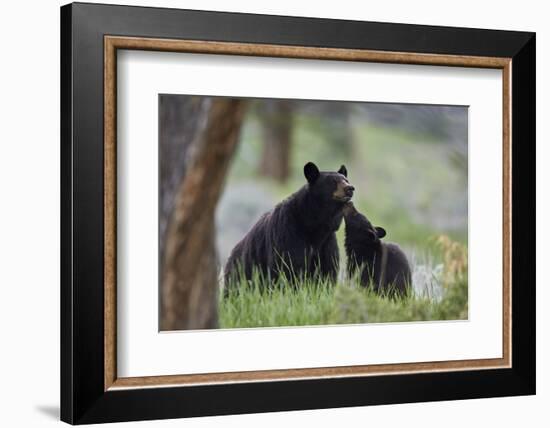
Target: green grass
[252,303]
[344,303]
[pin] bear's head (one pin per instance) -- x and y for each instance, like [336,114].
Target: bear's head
[359,228]
[328,186]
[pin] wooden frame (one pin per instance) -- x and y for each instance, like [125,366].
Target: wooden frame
[513,53]
[112,43]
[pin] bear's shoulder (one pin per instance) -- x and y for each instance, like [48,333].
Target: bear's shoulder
[395,251]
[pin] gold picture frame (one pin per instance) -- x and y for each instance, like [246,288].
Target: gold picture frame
[114,43]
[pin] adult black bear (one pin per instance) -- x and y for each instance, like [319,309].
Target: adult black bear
[297,237]
[384,265]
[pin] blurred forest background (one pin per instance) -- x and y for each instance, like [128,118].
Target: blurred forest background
[408,164]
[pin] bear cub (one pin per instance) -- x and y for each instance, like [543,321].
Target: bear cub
[384,265]
[297,237]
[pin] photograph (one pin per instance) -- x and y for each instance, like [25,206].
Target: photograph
[264,211]
[291,212]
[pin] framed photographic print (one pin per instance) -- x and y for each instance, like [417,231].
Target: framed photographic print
[265,213]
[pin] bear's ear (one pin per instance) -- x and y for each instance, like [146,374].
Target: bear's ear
[343,171]
[380,232]
[311,172]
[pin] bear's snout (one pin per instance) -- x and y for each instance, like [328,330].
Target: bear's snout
[348,190]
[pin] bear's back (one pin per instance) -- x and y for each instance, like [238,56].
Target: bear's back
[397,268]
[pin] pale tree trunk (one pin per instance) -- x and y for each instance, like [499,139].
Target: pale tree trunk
[188,260]
[276,121]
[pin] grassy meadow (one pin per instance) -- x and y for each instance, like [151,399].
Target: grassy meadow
[410,179]
[315,302]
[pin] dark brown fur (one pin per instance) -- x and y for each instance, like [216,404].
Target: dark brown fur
[382,265]
[298,236]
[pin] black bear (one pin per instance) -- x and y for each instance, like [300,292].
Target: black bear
[383,266]
[297,237]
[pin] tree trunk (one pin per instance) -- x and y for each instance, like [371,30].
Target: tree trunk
[338,127]
[188,257]
[179,119]
[276,119]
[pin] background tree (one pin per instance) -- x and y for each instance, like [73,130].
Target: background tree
[337,127]
[197,140]
[276,121]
